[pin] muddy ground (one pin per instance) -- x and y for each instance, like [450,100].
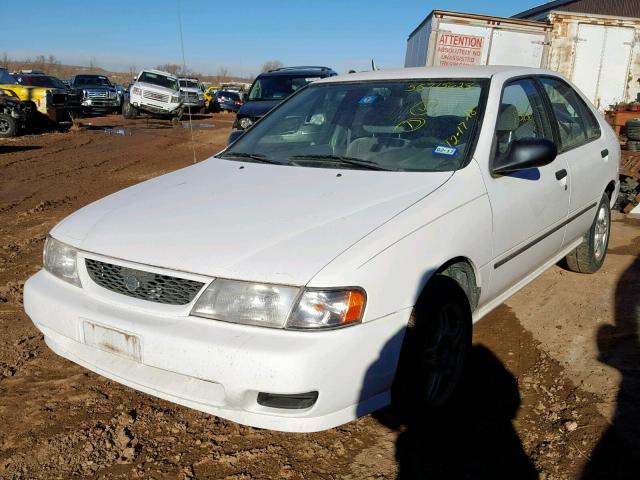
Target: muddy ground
[552,391]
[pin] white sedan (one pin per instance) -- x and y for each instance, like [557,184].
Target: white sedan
[337,253]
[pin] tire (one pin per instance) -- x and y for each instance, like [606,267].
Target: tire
[177,116]
[590,254]
[436,345]
[129,111]
[8,126]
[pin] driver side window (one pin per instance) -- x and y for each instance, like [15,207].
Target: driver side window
[521,115]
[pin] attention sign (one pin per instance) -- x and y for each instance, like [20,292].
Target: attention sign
[457,49]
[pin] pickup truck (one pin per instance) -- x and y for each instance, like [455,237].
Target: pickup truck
[192,95]
[98,93]
[155,93]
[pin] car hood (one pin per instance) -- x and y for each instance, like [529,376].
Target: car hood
[97,88]
[245,220]
[257,108]
[152,86]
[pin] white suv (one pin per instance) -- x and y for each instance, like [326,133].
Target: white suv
[156,93]
[338,251]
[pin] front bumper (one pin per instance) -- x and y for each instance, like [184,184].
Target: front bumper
[100,103]
[153,106]
[198,104]
[219,367]
[59,113]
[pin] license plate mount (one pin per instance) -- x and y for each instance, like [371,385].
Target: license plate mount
[112,341]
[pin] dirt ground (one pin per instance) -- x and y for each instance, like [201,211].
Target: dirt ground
[552,392]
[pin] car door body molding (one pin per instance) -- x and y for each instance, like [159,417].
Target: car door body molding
[573,217]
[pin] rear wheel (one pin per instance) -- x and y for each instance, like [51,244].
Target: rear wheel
[8,126]
[589,256]
[436,345]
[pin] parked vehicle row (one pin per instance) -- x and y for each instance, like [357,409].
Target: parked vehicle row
[154,92]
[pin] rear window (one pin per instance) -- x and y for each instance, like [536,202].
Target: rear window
[231,95]
[278,87]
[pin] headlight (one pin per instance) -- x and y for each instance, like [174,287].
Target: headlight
[248,303]
[280,306]
[327,309]
[136,90]
[245,122]
[175,99]
[61,260]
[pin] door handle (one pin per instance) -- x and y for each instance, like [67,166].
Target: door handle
[560,174]
[604,152]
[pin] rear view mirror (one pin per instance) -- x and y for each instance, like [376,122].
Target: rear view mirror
[526,153]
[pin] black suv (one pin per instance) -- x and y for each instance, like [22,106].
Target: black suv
[272,87]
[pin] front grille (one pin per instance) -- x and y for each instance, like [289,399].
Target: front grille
[97,94]
[155,96]
[143,285]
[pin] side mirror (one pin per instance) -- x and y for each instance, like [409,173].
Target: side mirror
[526,153]
[234,135]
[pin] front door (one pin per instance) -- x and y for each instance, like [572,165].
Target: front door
[530,206]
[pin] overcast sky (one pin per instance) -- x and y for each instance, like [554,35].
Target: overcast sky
[239,36]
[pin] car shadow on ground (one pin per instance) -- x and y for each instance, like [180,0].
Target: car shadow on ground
[617,454]
[17,148]
[471,436]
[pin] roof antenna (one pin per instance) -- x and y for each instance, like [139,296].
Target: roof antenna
[184,71]
[373,66]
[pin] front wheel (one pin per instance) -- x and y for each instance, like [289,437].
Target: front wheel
[128,110]
[8,126]
[589,256]
[436,345]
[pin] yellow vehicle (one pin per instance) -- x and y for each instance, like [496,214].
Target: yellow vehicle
[50,102]
[209,94]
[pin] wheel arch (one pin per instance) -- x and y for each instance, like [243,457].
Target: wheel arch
[610,190]
[464,272]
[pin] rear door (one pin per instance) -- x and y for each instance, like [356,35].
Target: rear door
[582,147]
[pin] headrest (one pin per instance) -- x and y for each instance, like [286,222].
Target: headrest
[508,119]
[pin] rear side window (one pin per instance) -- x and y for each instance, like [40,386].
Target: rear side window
[576,123]
[522,116]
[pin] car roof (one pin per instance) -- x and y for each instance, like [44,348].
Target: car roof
[484,71]
[299,72]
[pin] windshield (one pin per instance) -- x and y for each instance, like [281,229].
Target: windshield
[5,78]
[277,87]
[40,81]
[189,83]
[427,125]
[160,80]
[92,81]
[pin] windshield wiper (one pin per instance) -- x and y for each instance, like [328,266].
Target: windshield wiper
[253,156]
[356,162]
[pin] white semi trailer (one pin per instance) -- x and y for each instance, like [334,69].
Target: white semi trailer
[450,38]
